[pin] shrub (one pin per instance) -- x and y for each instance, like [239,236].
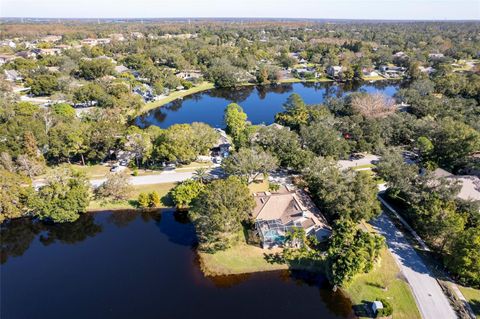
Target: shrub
[135,172]
[143,200]
[387,309]
[154,199]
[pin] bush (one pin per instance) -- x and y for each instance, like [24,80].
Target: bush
[143,200]
[387,309]
[154,199]
[273,187]
[149,199]
[135,172]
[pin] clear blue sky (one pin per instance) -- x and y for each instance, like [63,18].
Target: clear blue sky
[332,9]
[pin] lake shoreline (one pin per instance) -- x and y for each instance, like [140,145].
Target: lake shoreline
[205,86]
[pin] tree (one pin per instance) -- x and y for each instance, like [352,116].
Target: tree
[464,260]
[249,164]
[218,211]
[116,187]
[63,198]
[295,114]
[95,68]
[351,251]
[154,199]
[43,84]
[143,200]
[15,191]
[398,174]
[201,174]
[29,166]
[64,110]
[223,73]
[185,192]
[372,105]
[285,145]
[235,120]
[324,140]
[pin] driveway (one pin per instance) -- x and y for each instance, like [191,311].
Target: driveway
[431,301]
[368,159]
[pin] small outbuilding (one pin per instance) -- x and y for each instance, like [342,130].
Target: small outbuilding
[376,305]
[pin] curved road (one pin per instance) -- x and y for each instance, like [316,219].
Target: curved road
[431,301]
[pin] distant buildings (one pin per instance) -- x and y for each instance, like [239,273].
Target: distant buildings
[12,76]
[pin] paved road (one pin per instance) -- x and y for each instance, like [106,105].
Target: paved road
[164,177]
[431,301]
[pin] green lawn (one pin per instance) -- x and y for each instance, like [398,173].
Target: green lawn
[363,166]
[473,297]
[385,282]
[176,95]
[162,189]
[92,171]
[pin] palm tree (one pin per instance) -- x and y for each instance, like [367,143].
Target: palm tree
[201,174]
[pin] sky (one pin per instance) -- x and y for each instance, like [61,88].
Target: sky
[316,9]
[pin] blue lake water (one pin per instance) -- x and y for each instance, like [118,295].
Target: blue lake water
[141,265]
[261,103]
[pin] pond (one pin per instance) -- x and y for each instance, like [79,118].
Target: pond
[261,103]
[141,265]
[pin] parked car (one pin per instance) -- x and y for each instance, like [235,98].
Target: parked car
[117,168]
[356,156]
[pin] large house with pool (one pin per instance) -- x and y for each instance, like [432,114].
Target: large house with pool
[278,213]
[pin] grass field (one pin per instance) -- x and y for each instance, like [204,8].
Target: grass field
[385,282]
[473,297]
[176,95]
[131,203]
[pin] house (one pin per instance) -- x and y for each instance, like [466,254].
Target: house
[8,43]
[51,38]
[121,69]
[103,41]
[427,70]
[12,76]
[189,75]
[392,71]
[469,184]
[400,54]
[436,56]
[334,70]
[89,41]
[277,214]
[4,58]
[116,37]
[137,35]
[53,51]
[223,145]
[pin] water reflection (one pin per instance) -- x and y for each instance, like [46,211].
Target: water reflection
[261,103]
[132,264]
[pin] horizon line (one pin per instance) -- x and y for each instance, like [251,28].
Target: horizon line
[239,18]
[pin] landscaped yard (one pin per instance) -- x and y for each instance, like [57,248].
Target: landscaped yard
[473,297]
[240,259]
[385,282]
[162,190]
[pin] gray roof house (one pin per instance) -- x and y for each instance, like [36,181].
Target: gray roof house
[12,76]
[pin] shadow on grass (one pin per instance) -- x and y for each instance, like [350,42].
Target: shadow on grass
[274,258]
[375,284]
[167,200]
[364,309]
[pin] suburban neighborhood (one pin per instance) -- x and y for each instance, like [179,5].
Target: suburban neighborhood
[181,167]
